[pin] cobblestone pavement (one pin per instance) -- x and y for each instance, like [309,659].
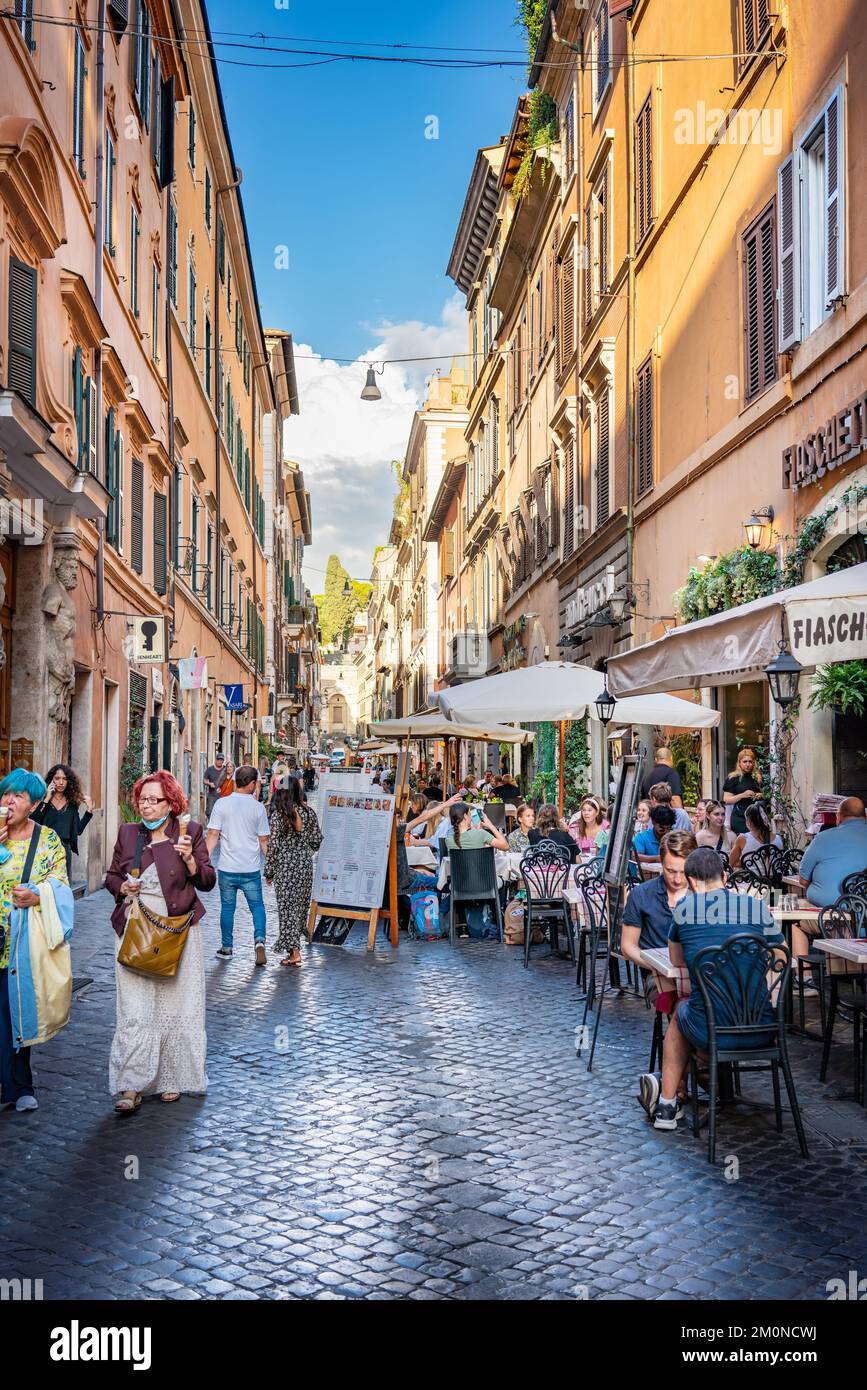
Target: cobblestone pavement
[413,1124]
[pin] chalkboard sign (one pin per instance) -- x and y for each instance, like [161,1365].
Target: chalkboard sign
[623,821]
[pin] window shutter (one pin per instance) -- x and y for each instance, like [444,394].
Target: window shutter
[760,338]
[119,486]
[569,499]
[604,221]
[789,270]
[167,133]
[603,474]
[588,261]
[644,431]
[568,309]
[221,248]
[110,484]
[835,174]
[160,542]
[118,11]
[644,169]
[137,516]
[749,26]
[21,375]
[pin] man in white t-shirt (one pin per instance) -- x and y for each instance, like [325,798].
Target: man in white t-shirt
[239,824]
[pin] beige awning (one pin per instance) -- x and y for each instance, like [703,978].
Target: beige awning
[826,620]
[437,726]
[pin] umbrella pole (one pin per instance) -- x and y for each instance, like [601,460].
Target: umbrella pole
[562,761]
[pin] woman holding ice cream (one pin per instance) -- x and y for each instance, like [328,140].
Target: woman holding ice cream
[159,1044]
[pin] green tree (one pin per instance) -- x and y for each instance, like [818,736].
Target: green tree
[337,607]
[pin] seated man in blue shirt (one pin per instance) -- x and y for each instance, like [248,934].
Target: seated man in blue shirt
[647,915]
[707,916]
[647,842]
[660,795]
[836,853]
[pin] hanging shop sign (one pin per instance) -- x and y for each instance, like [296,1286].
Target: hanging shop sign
[828,630]
[590,599]
[233,697]
[149,640]
[514,641]
[193,672]
[827,447]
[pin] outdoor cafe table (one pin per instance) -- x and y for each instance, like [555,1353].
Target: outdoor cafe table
[792,881]
[658,959]
[420,857]
[853,952]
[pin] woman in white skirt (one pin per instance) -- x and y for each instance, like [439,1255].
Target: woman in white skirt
[160,1041]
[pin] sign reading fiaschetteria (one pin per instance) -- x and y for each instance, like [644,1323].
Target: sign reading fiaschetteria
[833,443]
[828,630]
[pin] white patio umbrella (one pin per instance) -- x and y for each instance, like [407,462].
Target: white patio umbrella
[554,691]
[438,726]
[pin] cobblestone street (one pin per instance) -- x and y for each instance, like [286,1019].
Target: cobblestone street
[413,1124]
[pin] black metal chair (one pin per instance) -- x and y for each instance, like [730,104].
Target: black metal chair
[545,872]
[845,920]
[791,861]
[473,880]
[733,980]
[496,813]
[591,926]
[765,865]
[855,885]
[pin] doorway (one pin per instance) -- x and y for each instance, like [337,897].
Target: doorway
[110,767]
[7,565]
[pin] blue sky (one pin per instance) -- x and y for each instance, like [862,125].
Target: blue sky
[337,168]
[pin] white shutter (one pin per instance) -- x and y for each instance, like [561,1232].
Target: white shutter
[835,185]
[789,279]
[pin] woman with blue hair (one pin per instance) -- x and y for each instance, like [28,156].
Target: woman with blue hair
[30,855]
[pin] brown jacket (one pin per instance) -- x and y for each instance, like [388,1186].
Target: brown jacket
[178,885]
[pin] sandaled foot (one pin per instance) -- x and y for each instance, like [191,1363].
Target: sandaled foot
[293,959]
[127,1103]
[169,1097]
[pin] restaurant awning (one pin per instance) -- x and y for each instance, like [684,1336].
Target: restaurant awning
[555,691]
[825,620]
[437,726]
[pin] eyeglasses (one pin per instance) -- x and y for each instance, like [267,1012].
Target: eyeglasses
[151,801]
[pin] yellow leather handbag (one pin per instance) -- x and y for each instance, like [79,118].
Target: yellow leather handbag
[153,945]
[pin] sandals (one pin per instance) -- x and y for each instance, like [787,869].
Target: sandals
[127,1104]
[288,961]
[169,1097]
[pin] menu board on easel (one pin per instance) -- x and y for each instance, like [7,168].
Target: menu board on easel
[352,862]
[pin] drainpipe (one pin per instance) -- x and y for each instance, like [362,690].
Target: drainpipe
[99,240]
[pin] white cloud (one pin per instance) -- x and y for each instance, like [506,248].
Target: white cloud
[345,445]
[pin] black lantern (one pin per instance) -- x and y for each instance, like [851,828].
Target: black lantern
[755,527]
[783,674]
[371,391]
[605,706]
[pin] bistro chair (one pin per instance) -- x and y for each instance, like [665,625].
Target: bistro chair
[765,865]
[591,928]
[733,980]
[845,920]
[496,813]
[545,872]
[473,880]
[791,861]
[855,885]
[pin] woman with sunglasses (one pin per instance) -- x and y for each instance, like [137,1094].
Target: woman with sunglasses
[159,1043]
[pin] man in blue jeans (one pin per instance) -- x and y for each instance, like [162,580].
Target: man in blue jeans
[239,824]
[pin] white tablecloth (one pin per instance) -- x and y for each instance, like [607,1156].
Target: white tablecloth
[420,856]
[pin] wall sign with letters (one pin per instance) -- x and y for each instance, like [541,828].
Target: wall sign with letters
[827,447]
[828,630]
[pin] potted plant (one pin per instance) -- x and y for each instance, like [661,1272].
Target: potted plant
[841,686]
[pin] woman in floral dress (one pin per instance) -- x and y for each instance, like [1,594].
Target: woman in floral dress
[295,838]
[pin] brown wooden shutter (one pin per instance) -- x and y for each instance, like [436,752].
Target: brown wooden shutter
[588,260]
[603,461]
[568,310]
[644,169]
[789,255]
[21,372]
[760,291]
[644,427]
[749,25]
[554,521]
[137,515]
[604,226]
[834,184]
[569,499]
[160,543]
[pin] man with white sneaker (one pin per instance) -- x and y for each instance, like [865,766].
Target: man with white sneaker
[239,824]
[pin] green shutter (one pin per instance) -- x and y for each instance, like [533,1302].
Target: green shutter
[160,540]
[21,374]
[110,479]
[221,247]
[137,515]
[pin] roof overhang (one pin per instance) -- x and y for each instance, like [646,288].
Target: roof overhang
[477,218]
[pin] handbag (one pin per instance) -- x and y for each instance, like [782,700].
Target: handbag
[152,944]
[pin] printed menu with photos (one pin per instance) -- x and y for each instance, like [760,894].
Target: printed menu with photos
[352,862]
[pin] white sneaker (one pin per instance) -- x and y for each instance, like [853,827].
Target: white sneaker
[26,1103]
